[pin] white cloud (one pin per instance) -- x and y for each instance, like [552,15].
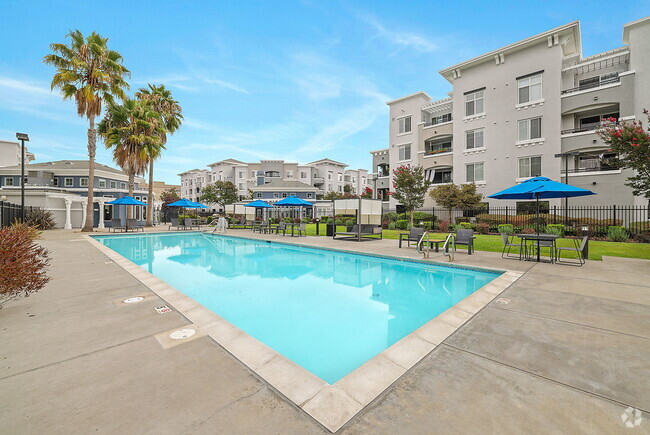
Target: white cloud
[402,40]
[226,85]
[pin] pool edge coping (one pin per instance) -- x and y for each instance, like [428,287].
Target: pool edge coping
[331,405]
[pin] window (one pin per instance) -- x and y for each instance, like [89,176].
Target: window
[285,194]
[438,176]
[592,122]
[68,182]
[440,119]
[303,174]
[241,186]
[404,152]
[435,146]
[530,88]
[83,182]
[474,139]
[594,82]
[252,174]
[9,181]
[530,128]
[404,125]
[530,167]
[594,162]
[241,174]
[123,185]
[475,172]
[276,195]
[55,181]
[474,103]
[329,175]
[258,195]
[289,173]
[113,184]
[309,195]
[272,174]
[101,183]
[340,177]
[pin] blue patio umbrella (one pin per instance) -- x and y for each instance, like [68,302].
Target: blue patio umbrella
[540,188]
[258,204]
[200,205]
[293,201]
[185,203]
[126,200]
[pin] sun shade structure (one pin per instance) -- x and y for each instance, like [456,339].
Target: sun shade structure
[293,201]
[541,188]
[199,205]
[126,200]
[368,214]
[258,204]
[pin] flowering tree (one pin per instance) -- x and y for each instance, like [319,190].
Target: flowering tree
[631,142]
[367,193]
[410,187]
[451,196]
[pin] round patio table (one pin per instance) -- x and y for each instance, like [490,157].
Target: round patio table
[539,237]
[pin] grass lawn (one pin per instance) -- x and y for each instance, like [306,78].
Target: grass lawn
[494,243]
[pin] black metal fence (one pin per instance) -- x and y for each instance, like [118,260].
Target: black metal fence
[10,213]
[576,219]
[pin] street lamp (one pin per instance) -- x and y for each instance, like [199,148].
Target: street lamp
[22,137]
[566,171]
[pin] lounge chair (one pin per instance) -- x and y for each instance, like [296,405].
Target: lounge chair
[116,224]
[188,224]
[465,238]
[359,232]
[175,224]
[413,235]
[507,246]
[579,249]
[132,224]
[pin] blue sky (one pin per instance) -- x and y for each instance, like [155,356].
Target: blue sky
[293,80]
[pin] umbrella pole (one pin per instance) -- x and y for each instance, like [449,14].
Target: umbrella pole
[537,226]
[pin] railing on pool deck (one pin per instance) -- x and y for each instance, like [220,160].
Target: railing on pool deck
[425,254]
[445,248]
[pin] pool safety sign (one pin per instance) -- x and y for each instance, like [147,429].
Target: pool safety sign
[163,309]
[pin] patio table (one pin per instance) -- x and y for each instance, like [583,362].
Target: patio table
[538,238]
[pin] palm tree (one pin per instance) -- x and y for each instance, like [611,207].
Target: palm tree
[130,130]
[89,72]
[170,112]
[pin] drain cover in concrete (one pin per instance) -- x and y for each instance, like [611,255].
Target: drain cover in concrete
[182,334]
[163,309]
[133,300]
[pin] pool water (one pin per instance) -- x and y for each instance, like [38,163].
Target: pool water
[327,311]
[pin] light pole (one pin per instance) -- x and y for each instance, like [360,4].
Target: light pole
[22,137]
[566,171]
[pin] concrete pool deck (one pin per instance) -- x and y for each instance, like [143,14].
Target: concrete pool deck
[563,349]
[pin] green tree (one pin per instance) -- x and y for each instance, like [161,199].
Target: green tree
[167,197]
[631,142]
[332,195]
[220,192]
[451,196]
[410,187]
[130,130]
[88,72]
[169,110]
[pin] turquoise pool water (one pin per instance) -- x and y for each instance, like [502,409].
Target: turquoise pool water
[327,311]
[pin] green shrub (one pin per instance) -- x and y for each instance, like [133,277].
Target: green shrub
[391,216]
[506,229]
[427,225]
[330,221]
[466,226]
[339,222]
[209,219]
[391,225]
[402,224]
[617,234]
[306,220]
[528,230]
[639,227]
[39,218]
[349,222]
[482,228]
[423,216]
[555,229]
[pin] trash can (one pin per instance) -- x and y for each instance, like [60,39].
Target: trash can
[330,230]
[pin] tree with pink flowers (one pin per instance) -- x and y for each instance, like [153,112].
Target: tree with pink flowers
[631,142]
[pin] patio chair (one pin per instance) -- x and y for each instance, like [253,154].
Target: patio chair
[302,230]
[189,224]
[414,235]
[282,226]
[132,224]
[116,224]
[175,224]
[263,227]
[507,246]
[579,248]
[465,238]
[550,244]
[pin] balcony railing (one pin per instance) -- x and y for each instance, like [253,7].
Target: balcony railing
[438,120]
[594,85]
[440,151]
[589,127]
[602,168]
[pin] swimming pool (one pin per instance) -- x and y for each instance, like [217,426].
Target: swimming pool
[327,311]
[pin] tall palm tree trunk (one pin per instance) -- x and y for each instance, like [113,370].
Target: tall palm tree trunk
[129,212]
[150,196]
[92,147]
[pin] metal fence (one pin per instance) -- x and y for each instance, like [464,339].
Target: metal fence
[595,219]
[10,213]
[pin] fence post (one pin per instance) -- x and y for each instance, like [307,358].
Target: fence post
[614,214]
[554,214]
[506,214]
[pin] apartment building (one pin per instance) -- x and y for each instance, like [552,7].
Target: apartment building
[317,178]
[10,153]
[528,109]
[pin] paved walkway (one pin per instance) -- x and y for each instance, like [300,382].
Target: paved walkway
[569,352]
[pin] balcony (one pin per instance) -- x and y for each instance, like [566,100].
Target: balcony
[592,85]
[317,180]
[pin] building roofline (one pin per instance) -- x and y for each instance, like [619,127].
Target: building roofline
[376,151]
[628,26]
[327,160]
[514,46]
[406,97]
